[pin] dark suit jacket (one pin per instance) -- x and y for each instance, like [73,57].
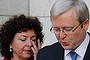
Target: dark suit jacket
[56,52]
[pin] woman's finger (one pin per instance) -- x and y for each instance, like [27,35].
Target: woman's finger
[34,46]
[39,44]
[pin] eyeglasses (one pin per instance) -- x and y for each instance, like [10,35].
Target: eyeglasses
[67,30]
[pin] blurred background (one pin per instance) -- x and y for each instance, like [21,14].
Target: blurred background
[38,8]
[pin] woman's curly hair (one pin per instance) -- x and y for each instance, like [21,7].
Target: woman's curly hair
[15,25]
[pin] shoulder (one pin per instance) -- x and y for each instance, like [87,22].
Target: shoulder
[51,48]
[5,58]
[50,52]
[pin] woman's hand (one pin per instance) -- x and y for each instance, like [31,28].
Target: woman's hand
[35,49]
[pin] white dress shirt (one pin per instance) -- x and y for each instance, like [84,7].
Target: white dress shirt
[80,50]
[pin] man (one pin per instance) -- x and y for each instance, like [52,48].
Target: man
[70,21]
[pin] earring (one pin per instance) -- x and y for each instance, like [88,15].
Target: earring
[10,50]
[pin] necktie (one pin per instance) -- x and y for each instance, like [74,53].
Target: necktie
[73,55]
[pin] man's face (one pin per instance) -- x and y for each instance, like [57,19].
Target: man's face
[68,21]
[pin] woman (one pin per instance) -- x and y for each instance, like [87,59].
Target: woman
[21,38]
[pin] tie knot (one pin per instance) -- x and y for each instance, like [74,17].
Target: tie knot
[73,55]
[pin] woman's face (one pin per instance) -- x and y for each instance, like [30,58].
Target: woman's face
[22,44]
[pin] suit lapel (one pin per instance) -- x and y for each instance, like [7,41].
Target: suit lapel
[60,53]
[87,54]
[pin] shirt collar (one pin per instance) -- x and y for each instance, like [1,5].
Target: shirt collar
[83,47]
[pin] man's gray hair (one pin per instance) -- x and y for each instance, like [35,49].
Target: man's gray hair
[80,7]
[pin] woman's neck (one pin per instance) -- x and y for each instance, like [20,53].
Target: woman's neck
[19,59]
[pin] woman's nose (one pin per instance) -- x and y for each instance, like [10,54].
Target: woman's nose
[29,43]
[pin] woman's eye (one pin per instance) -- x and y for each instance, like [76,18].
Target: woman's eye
[34,40]
[23,39]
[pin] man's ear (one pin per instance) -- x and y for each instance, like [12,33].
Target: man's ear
[86,24]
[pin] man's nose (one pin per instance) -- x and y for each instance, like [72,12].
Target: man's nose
[62,35]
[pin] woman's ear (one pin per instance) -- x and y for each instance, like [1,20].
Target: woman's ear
[10,45]
[10,48]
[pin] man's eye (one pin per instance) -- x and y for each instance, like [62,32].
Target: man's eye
[56,29]
[68,29]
